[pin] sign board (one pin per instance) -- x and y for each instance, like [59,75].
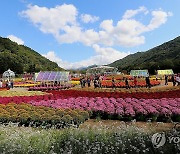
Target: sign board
[165,72]
[143,73]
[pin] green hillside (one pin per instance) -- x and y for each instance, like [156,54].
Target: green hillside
[20,58]
[165,56]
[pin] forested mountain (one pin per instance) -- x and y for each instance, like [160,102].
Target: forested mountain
[165,56]
[20,58]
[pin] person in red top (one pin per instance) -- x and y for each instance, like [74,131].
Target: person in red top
[135,81]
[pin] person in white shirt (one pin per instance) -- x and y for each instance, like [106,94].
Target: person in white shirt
[1,84]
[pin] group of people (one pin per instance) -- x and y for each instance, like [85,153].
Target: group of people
[96,80]
[148,83]
[8,84]
[174,80]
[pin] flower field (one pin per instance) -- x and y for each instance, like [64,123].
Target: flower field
[128,108]
[19,93]
[123,139]
[121,84]
[160,106]
[41,88]
[59,119]
[28,115]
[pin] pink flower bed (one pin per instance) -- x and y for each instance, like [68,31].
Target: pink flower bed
[128,107]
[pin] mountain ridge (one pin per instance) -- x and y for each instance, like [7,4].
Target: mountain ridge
[20,58]
[164,56]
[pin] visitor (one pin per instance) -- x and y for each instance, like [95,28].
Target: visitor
[100,81]
[1,84]
[12,84]
[173,80]
[148,84]
[95,83]
[84,82]
[113,83]
[135,82]
[178,80]
[9,84]
[81,82]
[127,83]
[166,80]
[89,82]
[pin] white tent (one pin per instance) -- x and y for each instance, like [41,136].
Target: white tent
[8,74]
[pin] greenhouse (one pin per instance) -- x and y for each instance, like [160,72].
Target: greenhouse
[52,76]
[165,72]
[8,74]
[139,73]
[102,70]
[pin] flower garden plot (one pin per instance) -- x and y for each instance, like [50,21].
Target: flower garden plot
[28,115]
[126,109]
[40,88]
[108,84]
[138,95]
[20,93]
[127,139]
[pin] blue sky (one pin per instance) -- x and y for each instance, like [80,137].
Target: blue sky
[79,33]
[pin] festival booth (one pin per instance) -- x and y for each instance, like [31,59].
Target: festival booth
[102,70]
[139,73]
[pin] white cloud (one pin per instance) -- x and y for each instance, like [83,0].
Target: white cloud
[131,13]
[15,39]
[86,18]
[62,22]
[159,18]
[54,20]
[103,56]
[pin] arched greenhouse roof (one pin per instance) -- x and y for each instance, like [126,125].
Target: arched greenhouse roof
[8,74]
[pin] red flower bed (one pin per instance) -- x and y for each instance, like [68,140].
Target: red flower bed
[1,89]
[121,84]
[139,95]
[40,88]
[75,79]
[74,93]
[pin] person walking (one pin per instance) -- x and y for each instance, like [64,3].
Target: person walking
[89,82]
[81,82]
[1,84]
[113,83]
[173,80]
[148,84]
[135,82]
[166,80]
[127,84]
[12,84]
